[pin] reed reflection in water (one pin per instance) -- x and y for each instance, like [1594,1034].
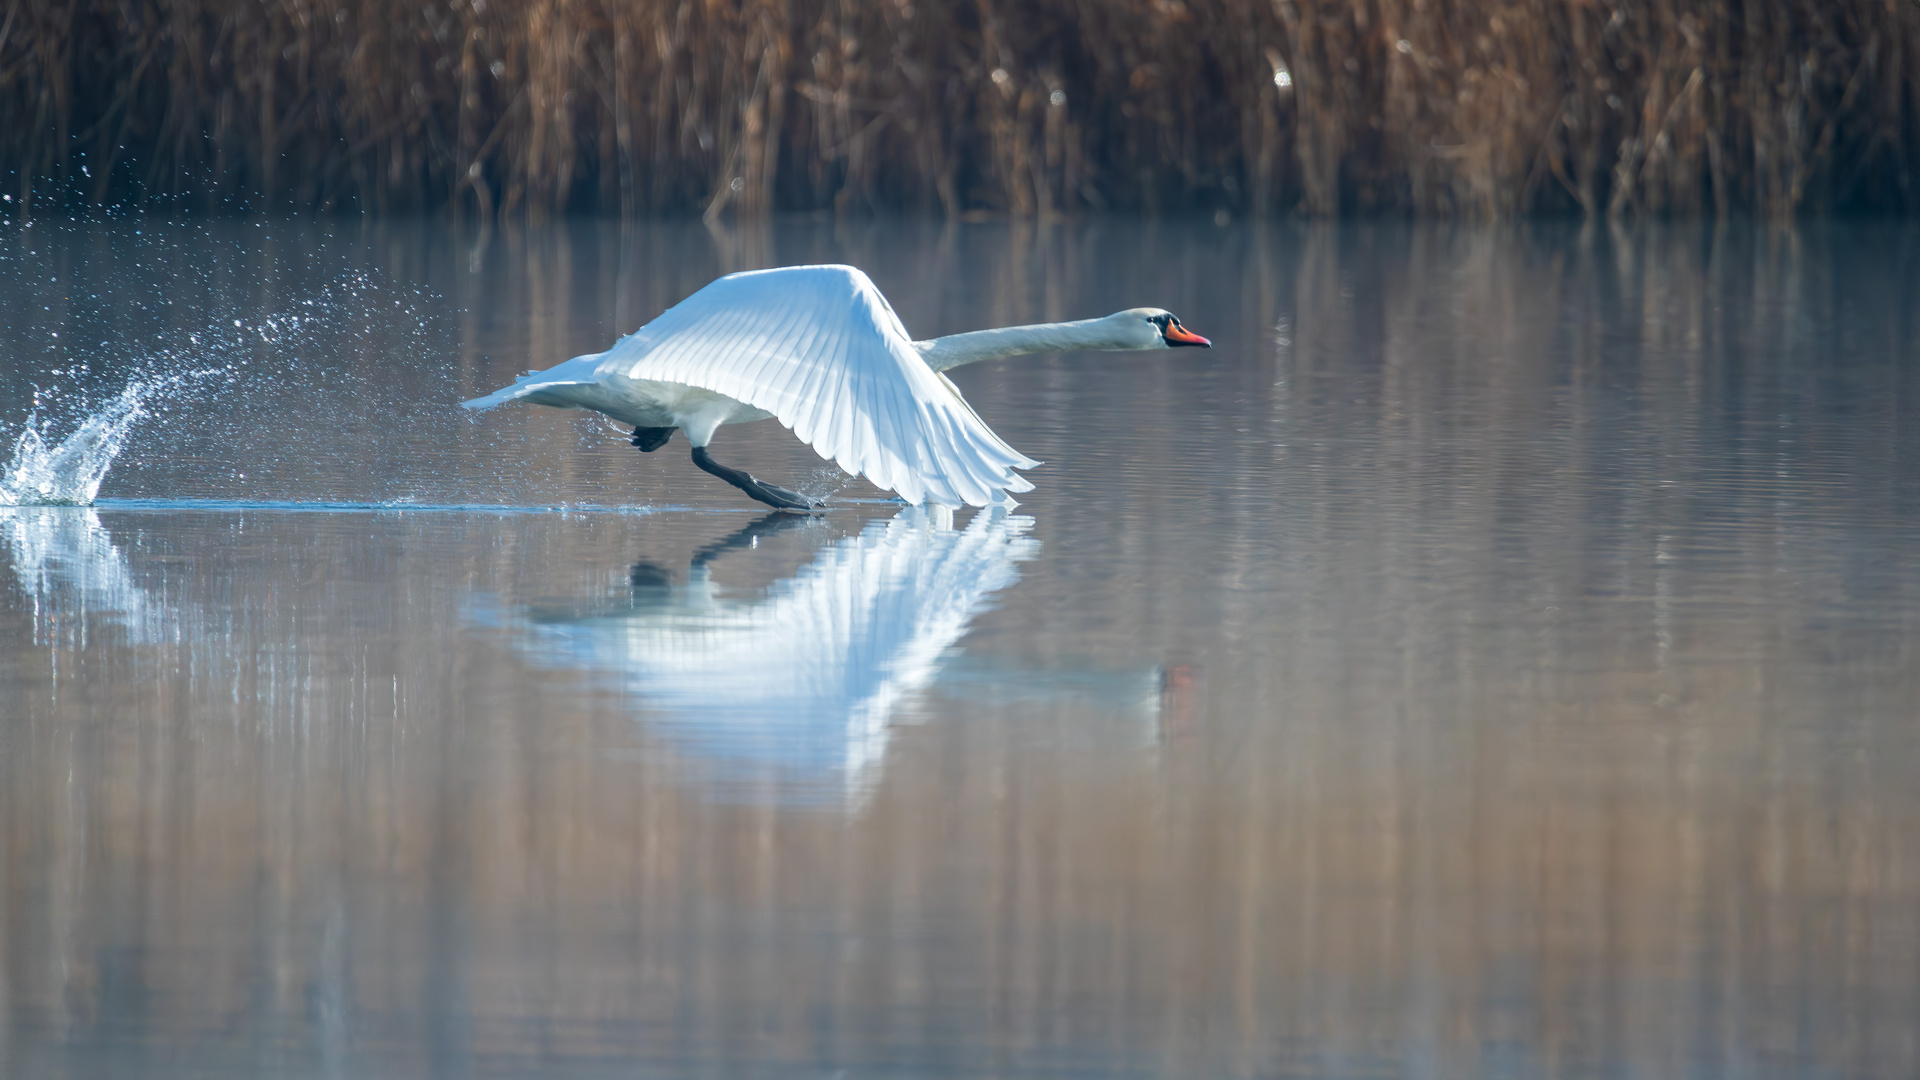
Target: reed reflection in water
[1517,675]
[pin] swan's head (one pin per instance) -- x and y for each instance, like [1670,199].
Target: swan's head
[1153,328]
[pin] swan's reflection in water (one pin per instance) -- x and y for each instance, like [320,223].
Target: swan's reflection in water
[799,684]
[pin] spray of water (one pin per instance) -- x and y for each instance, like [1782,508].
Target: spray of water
[220,362]
[339,381]
[68,472]
[824,482]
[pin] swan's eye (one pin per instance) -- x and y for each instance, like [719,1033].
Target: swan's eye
[1176,333]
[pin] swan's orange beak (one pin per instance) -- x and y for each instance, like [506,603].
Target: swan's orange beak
[1180,335]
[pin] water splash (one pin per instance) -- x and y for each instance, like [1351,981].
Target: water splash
[69,472]
[314,347]
[256,352]
[824,482]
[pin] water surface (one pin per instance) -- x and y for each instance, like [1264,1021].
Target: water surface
[1498,656]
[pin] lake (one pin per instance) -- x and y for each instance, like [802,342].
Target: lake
[1499,655]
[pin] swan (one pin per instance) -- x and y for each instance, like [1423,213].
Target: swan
[819,349]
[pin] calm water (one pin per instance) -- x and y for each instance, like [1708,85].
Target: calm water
[1498,656]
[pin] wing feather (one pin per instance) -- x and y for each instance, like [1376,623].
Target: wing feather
[821,349]
[895,447]
[940,458]
[846,416]
[807,336]
[825,396]
[765,365]
[823,400]
[950,441]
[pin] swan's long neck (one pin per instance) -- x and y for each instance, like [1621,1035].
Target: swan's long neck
[957,349]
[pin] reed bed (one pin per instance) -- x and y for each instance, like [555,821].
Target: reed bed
[1775,107]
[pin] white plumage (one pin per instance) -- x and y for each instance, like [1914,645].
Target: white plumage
[820,349]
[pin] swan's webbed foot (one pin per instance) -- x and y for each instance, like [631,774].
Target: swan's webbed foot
[784,498]
[649,439]
[771,494]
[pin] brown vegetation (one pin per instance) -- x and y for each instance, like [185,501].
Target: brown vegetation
[650,106]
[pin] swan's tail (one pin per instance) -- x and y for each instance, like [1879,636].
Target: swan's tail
[498,397]
[540,392]
[568,385]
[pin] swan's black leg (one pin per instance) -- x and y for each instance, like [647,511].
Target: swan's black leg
[649,439]
[771,494]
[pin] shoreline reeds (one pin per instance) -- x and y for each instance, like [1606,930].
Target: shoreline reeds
[1323,107]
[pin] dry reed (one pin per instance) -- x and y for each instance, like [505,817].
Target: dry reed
[671,106]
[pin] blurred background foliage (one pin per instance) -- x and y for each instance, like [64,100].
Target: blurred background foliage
[1241,107]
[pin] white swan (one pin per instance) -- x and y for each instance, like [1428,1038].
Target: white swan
[819,349]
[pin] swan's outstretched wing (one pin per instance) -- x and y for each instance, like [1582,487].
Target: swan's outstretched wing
[820,348]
